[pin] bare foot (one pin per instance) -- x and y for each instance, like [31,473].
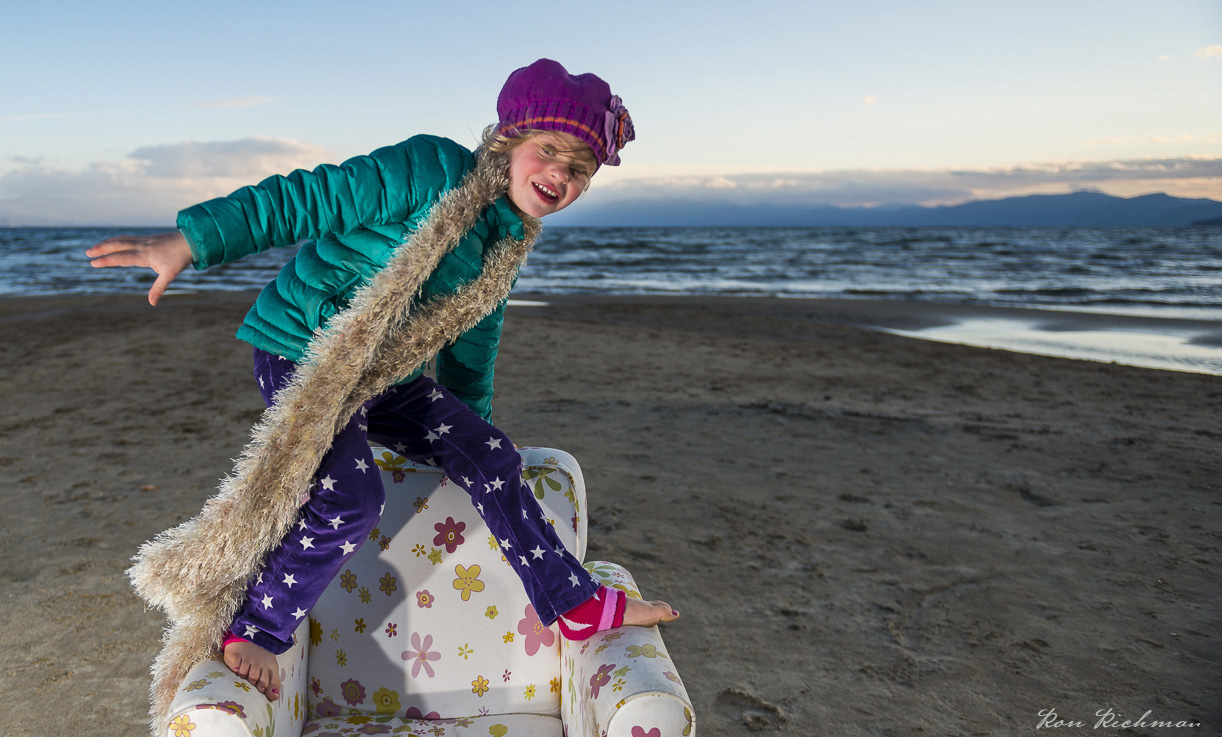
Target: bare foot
[258,666]
[644,613]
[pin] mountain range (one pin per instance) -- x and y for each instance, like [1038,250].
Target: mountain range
[1078,209]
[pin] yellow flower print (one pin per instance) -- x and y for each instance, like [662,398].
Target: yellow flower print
[386,701]
[196,685]
[647,651]
[388,582]
[529,693]
[341,658]
[492,542]
[334,635]
[420,504]
[508,637]
[465,650]
[360,625]
[242,685]
[182,726]
[365,595]
[479,686]
[359,719]
[418,549]
[468,580]
[373,534]
[315,632]
[490,612]
[347,581]
[435,556]
[555,684]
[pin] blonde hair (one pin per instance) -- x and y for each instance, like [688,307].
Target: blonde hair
[503,143]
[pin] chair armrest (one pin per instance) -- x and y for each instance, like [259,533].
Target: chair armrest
[213,702]
[622,679]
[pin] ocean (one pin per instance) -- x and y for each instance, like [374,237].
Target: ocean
[1153,272]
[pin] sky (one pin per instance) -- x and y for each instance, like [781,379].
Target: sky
[122,113]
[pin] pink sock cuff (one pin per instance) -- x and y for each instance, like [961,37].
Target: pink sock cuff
[614,602]
[230,638]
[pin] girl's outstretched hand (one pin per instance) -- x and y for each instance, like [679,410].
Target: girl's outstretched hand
[165,253]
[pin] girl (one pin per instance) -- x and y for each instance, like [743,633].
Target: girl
[410,253]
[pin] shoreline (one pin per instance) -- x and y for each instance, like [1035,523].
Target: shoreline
[866,534]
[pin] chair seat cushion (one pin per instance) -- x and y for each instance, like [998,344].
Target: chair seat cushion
[427,617]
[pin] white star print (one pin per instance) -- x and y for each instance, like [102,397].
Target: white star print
[335,523]
[443,429]
[466,481]
[436,395]
[301,525]
[363,427]
[251,630]
[493,443]
[267,601]
[259,580]
[432,436]
[573,578]
[497,484]
[299,613]
[328,483]
[480,508]
[559,551]
[289,579]
[307,542]
[400,448]
[523,514]
[348,547]
[537,552]
[505,544]
[523,559]
[364,412]
[261,382]
[361,465]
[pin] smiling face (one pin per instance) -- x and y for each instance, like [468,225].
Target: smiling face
[548,172]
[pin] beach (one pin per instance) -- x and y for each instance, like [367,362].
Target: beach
[865,533]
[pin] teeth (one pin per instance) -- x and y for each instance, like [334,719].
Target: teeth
[546,191]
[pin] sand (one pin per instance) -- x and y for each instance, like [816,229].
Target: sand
[865,533]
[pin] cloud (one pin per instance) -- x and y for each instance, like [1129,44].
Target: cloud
[150,185]
[247,101]
[873,187]
[870,100]
[1208,52]
[1129,140]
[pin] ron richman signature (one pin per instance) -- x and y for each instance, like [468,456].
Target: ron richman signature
[1109,719]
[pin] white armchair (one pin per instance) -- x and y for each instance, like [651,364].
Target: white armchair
[427,632]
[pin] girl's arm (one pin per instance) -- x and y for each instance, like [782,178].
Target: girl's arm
[390,185]
[165,253]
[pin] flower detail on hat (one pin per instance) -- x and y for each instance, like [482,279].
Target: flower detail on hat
[617,129]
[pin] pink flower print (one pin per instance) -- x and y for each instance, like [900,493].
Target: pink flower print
[449,534]
[352,691]
[374,729]
[506,675]
[315,686]
[601,678]
[413,712]
[420,653]
[536,633]
[328,708]
[640,732]
[424,599]
[391,629]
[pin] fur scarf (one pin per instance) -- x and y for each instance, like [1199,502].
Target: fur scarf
[198,572]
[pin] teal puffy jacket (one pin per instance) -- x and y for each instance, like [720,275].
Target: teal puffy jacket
[351,218]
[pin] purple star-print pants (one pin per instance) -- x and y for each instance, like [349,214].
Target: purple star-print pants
[423,422]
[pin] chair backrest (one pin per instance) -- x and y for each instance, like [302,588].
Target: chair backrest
[427,618]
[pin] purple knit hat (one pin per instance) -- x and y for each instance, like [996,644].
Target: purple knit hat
[543,96]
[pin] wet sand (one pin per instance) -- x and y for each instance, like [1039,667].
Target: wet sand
[865,533]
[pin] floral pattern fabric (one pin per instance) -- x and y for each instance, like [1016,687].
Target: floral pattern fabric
[427,631]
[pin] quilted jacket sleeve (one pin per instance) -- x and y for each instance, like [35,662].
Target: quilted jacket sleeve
[394,184]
